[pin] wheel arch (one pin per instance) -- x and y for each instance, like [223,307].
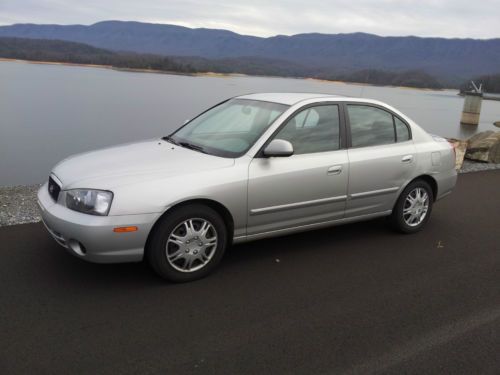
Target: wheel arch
[216,206]
[430,180]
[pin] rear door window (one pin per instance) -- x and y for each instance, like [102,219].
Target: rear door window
[372,126]
[402,131]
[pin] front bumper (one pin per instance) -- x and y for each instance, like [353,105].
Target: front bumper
[91,237]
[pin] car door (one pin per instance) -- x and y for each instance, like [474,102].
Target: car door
[308,187]
[381,158]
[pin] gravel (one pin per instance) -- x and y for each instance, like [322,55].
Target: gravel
[475,166]
[18,203]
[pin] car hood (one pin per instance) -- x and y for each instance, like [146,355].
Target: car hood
[133,162]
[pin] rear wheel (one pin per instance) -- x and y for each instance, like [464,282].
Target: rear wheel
[188,243]
[413,208]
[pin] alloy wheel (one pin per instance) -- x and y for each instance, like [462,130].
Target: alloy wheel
[415,207]
[191,245]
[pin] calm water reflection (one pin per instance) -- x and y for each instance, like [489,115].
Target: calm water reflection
[51,111]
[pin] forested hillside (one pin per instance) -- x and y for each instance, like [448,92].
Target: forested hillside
[451,61]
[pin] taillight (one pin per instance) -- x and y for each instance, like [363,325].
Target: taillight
[454,146]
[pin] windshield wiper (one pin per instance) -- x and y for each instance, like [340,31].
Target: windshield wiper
[192,147]
[168,138]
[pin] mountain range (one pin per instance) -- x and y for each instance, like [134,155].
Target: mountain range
[449,60]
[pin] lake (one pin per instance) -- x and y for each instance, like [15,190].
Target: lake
[49,112]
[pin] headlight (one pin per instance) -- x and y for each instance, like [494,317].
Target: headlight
[92,202]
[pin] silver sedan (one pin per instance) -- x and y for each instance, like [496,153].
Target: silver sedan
[251,167]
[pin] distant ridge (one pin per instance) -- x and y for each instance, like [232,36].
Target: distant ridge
[450,60]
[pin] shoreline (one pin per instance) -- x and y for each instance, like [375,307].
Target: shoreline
[18,204]
[212,74]
[131,70]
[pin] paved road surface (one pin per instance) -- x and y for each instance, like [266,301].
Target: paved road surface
[355,299]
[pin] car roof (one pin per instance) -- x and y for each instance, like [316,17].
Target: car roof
[289,98]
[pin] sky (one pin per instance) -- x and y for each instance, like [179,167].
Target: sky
[443,18]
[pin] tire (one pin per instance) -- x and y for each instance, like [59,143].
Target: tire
[408,219]
[180,251]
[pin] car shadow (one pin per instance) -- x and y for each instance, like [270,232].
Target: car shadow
[64,266]
[341,235]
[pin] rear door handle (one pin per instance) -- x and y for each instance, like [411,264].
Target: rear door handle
[407,159]
[335,169]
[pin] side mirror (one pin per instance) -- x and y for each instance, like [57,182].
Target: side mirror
[278,147]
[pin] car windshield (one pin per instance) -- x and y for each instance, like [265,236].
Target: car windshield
[228,129]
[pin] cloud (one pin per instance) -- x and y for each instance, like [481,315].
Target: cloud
[444,18]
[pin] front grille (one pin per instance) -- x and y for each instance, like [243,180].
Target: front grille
[54,189]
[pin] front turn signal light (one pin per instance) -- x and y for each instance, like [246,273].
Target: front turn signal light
[124,229]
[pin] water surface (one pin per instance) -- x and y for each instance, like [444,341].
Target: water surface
[49,112]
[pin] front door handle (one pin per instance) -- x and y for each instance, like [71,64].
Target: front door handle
[335,169]
[407,159]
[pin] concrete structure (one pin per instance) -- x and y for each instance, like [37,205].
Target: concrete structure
[472,106]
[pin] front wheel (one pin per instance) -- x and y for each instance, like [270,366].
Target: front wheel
[187,244]
[413,208]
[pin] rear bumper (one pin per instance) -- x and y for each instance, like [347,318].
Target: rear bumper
[91,237]
[446,183]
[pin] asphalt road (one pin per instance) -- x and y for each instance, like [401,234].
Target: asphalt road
[354,299]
